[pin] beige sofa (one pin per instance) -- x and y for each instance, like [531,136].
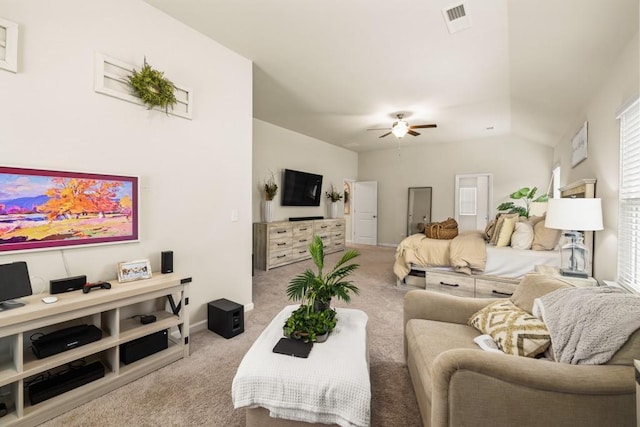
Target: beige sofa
[458,384]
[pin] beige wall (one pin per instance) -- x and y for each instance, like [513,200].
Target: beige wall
[192,172]
[602,162]
[276,149]
[513,162]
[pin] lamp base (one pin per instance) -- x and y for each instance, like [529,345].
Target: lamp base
[573,273]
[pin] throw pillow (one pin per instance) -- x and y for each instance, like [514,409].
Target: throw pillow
[489,230]
[514,330]
[533,286]
[522,236]
[499,222]
[508,225]
[544,239]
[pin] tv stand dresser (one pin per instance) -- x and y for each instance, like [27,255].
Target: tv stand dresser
[116,312]
[284,242]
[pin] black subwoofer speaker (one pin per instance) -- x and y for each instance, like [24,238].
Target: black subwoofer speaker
[143,347]
[225,317]
[166,264]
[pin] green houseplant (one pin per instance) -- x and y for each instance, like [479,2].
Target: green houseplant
[527,196]
[309,325]
[153,88]
[317,288]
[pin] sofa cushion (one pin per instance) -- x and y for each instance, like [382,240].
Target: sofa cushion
[426,339]
[514,330]
[534,286]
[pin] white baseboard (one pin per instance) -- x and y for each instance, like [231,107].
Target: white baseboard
[391,245]
[204,324]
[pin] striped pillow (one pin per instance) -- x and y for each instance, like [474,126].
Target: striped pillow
[514,330]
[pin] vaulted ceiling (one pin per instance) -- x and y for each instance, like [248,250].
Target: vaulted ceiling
[333,69]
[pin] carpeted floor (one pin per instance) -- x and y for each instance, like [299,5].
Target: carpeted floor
[196,391]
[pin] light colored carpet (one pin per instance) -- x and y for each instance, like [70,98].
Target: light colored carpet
[196,391]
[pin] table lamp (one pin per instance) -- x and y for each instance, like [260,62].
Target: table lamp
[574,216]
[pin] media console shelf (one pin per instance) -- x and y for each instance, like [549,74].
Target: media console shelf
[115,312]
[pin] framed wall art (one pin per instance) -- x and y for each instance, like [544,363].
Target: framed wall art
[579,146]
[134,270]
[43,209]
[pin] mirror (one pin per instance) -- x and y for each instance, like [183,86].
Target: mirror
[419,211]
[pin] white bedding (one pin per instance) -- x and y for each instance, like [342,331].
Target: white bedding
[509,262]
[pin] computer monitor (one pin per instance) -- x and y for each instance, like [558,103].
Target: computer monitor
[14,284]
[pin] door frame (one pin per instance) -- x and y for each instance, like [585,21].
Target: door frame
[456,203]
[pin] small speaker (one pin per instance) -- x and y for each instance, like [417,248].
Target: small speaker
[69,284]
[166,258]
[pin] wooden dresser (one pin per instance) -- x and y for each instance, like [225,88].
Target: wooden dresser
[280,243]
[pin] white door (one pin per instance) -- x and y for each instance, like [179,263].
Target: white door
[365,206]
[473,201]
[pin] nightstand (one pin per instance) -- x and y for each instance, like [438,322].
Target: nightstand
[575,281]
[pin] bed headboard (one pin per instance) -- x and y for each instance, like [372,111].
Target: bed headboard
[584,188]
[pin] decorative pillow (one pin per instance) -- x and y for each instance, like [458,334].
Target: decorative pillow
[514,330]
[522,236]
[499,222]
[506,231]
[535,285]
[489,230]
[544,239]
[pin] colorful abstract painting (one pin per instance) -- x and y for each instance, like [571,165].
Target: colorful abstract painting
[49,209]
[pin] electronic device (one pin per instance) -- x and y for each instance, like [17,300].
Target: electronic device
[49,300]
[61,383]
[304,218]
[301,188]
[14,283]
[88,286]
[166,262]
[65,339]
[145,346]
[145,319]
[225,318]
[68,284]
[3,409]
[292,347]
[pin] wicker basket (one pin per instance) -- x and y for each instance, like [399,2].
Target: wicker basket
[444,230]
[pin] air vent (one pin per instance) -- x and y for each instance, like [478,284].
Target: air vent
[456,17]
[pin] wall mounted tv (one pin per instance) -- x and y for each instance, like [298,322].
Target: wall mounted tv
[42,209]
[301,188]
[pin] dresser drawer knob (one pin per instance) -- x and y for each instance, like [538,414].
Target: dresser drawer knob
[282,244]
[280,256]
[504,294]
[281,231]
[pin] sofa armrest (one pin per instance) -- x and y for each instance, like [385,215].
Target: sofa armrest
[593,391]
[422,304]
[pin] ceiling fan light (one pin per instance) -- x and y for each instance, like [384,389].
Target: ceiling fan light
[400,128]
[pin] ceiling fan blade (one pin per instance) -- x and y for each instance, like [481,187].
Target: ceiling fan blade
[411,132]
[380,129]
[423,126]
[382,136]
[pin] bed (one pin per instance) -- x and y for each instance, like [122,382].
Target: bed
[494,267]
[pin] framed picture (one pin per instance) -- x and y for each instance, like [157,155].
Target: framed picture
[579,146]
[134,270]
[42,209]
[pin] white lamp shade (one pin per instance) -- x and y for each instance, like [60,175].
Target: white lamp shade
[574,214]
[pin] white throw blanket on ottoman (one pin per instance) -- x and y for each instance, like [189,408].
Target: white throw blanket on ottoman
[588,325]
[331,386]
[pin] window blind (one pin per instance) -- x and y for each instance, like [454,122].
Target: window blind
[629,198]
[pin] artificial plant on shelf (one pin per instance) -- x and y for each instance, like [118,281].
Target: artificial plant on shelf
[333,195]
[315,291]
[270,188]
[527,196]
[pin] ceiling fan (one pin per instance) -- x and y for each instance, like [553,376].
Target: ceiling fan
[401,128]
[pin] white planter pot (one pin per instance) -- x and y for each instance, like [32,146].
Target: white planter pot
[334,210]
[268,211]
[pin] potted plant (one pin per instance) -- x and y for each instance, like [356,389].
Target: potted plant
[310,325]
[270,190]
[335,197]
[525,194]
[317,289]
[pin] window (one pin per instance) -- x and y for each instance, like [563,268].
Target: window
[629,198]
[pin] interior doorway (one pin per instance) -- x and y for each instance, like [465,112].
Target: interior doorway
[365,212]
[473,200]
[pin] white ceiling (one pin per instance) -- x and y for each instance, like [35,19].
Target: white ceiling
[331,69]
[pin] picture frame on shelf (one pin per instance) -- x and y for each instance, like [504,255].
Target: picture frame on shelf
[579,146]
[130,271]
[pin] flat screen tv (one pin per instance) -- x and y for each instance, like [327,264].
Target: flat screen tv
[43,209]
[301,188]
